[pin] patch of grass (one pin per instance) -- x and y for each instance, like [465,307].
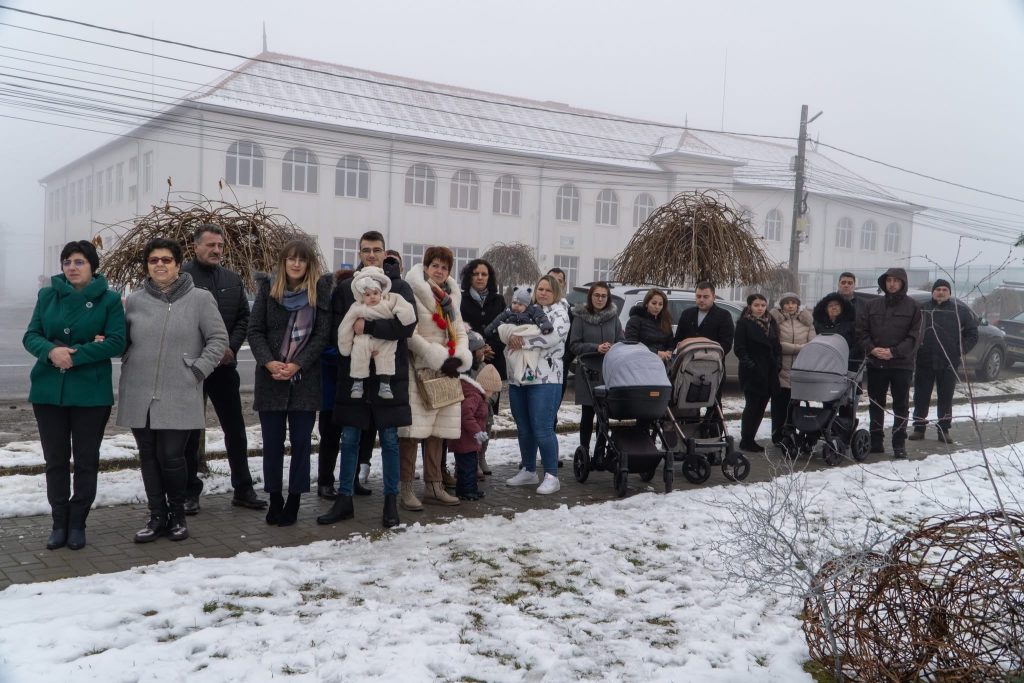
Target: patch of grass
[761,660]
[512,598]
[620,592]
[635,561]
[524,550]
[251,594]
[291,671]
[168,638]
[482,583]
[233,609]
[473,556]
[663,622]
[314,592]
[210,606]
[662,546]
[818,672]
[478,620]
[219,655]
[506,659]
[150,613]
[358,601]
[95,651]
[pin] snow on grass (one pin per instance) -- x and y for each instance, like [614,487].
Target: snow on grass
[624,590]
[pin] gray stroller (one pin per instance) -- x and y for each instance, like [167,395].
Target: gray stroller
[821,374]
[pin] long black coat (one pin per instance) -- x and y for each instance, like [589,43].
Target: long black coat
[760,356]
[644,328]
[717,326]
[479,317]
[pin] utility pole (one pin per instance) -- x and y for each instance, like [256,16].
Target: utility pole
[798,193]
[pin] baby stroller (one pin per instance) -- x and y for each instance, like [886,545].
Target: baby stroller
[699,440]
[634,387]
[821,374]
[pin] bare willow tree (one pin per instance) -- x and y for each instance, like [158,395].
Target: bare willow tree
[696,236]
[514,263]
[780,280]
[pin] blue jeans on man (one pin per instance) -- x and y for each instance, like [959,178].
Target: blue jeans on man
[534,407]
[350,437]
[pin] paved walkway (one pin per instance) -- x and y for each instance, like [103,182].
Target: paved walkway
[221,530]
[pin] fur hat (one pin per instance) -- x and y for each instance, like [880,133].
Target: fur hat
[941,283]
[370,277]
[787,296]
[489,379]
[522,295]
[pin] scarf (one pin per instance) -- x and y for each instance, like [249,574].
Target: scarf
[172,292]
[764,321]
[300,325]
[478,296]
[443,315]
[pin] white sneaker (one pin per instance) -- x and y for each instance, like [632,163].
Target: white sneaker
[549,485]
[364,473]
[523,478]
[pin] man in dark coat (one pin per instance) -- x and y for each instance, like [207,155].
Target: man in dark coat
[888,331]
[358,415]
[222,386]
[949,331]
[707,320]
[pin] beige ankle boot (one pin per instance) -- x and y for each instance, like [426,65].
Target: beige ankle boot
[481,462]
[408,499]
[433,492]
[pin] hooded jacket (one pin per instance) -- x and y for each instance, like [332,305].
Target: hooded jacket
[892,321]
[588,331]
[949,330]
[644,328]
[844,325]
[794,331]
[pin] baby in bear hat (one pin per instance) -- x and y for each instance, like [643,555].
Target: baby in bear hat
[374,301]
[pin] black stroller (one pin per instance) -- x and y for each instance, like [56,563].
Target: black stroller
[821,374]
[634,387]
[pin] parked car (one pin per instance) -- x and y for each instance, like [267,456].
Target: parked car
[1014,329]
[992,352]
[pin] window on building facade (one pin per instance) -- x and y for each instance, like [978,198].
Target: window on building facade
[892,237]
[773,226]
[869,236]
[119,182]
[463,255]
[346,252]
[62,201]
[147,172]
[607,208]
[506,195]
[99,189]
[643,206]
[465,191]
[73,200]
[567,203]
[51,205]
[571,266]
[604,269]
[133,167]
[412,254]
[88,192]
[299,171]
[352,177]
[420,185]
[844,233]
[80,207]
[243,165]
[108,195]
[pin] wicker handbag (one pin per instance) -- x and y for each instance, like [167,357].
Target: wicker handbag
[437,390]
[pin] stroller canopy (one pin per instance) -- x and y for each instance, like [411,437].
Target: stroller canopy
[633,365]
[825,353]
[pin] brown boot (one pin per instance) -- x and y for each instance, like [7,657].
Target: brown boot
[446,478]
[435,494]
[408,499]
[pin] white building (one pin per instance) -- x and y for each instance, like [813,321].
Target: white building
[341,150]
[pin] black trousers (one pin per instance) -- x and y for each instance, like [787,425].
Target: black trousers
[780,410]
[943,381]
[68,433]
[587,420]
[162,457]
[753,413]
[880,382]
[221,387]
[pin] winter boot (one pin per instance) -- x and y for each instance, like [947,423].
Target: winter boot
[342,509]
[446,478]
[59,536]
[434,493]
[409,500]
[390,511]
[916,435]
[357,487]
[177,527]
[481,462]
[76,530]
[153,530]
[290,513]
[276,507]
[357,389]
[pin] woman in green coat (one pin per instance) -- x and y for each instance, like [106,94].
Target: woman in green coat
[77,327]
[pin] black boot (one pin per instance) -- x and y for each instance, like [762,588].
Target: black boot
[59,536]
[391,511]
[177,527]
[357,488]
[154,529]
[341,509]
[276,506]
[76,529]
[290,513]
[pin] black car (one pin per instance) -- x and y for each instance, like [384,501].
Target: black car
[1014,329]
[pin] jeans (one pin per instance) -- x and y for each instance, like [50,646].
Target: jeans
[944,382]
[221,388]
[65,431]
[534,408]
[465,473]
[350,437]
[299,424]
[880,381]
[753,413]
[162,459]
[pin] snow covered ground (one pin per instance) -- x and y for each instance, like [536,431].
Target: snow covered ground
[626,590]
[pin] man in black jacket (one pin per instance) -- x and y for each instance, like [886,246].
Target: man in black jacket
[222,386]
[949,331]
[707,320]
[888,330]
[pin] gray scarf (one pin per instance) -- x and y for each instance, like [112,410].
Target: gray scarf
[172,292]
[478,296]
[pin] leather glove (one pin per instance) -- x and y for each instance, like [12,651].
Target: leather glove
[450,368]
[481,438]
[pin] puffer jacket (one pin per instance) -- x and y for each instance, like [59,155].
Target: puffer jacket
[892,321]
[949,330]
[588,331]
[474,414]
[843,325]
[644,328]
[794,331]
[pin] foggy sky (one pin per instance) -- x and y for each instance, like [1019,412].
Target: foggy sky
[934,86]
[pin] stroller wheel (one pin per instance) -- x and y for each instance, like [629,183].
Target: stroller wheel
[788,447]
[738,470]
[669,476]
[649,474]
[696,469]
[620,482]
[581,464]
[860,445]
[832,451]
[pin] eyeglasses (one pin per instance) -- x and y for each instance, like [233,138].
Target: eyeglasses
[166,260]
[371,250]
[295,259]
[77,263]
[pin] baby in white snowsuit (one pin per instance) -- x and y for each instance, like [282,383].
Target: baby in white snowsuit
[522,363]
[374,301]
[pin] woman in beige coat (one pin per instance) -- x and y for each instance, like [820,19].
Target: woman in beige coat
[796,328]
[439,343]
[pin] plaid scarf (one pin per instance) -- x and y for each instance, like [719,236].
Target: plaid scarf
[764,321]
[300,325]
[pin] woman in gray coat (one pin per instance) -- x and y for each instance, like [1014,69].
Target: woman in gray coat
[595,327]
[288,330]
[176,338]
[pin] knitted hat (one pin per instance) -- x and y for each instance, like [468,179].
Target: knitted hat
[941,283]
[489,379]
[370,277]
[789,296]
[522,295]
[476,340]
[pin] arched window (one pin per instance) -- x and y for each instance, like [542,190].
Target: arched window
[465,190]
[299,171]
[607,208]
[773,226]
[844,233]
[506,195]
[869,236]
[567,203]
[643,206]
[420,185]
[892,237]
[352,177]
[244,164]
